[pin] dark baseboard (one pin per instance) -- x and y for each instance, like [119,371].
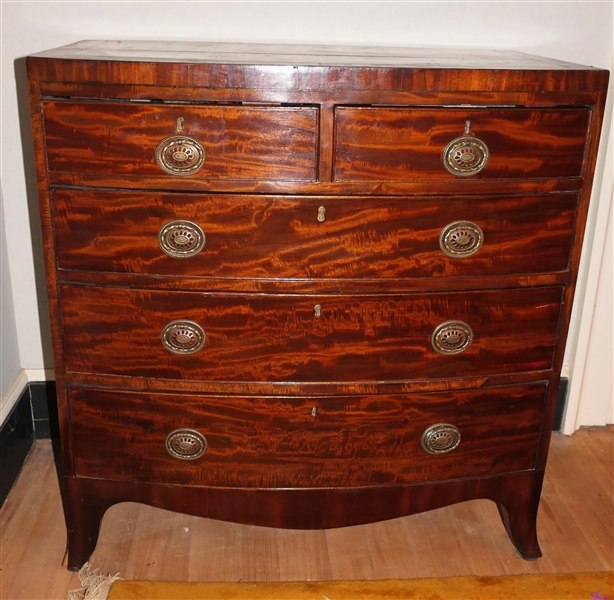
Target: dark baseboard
[561,403]
[44,410]
[16,439]
[35,417]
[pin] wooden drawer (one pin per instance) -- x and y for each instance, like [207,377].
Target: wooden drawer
[406,144]
[292,237]
[277,442]
[239,142]
[261,337]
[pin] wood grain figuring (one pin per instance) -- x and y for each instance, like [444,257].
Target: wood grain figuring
[317,376]
[305,388]
[278,443]
[407,144]
[240,142]
[281,237]
[278,338]
[313,285]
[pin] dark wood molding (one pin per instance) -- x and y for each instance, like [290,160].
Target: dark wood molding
[16,439]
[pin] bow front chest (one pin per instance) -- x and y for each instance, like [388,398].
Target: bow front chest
[309,287]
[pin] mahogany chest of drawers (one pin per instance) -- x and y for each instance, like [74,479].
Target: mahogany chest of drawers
[309,287]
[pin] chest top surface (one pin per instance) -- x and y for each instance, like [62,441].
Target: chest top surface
[303,55]
[325,67]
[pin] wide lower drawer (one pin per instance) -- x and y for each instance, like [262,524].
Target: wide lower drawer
[275,442]
[215,141]
[406,144]
[325,338]
[293,237]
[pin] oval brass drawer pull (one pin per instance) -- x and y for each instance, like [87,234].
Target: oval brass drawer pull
[440,438]
[183,337]
[451,337]
[186,444]
[466,155]
[461,239]
[181,239]
[179,154]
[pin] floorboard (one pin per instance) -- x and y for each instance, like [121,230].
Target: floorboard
[438,547]
[305,556]
[349,554]
[393,551]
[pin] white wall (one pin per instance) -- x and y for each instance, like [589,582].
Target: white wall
[575,31]
[589,349]
[9,349]
[600,356]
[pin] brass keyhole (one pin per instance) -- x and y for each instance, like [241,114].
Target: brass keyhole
[322,214]
[317,309]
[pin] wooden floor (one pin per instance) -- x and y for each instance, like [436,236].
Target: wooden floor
[575,527]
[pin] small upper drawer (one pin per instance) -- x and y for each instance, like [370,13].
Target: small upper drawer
[407,144]
[199,142]
[201,235]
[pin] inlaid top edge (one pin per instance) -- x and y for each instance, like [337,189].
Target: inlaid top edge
[298,55]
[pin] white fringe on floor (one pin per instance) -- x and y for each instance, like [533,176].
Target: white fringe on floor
[94,585]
